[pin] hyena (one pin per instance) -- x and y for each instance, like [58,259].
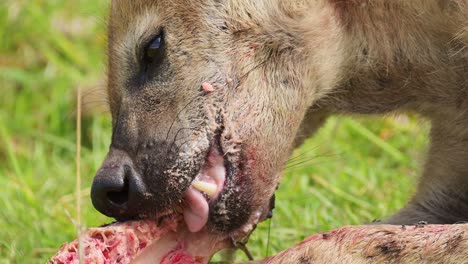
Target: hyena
[208,99]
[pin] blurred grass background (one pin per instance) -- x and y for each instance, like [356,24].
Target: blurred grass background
[352,172]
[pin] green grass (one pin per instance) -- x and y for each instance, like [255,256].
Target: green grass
[353,171]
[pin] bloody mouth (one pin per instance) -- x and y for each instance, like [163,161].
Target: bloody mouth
[178,239]
[204,189]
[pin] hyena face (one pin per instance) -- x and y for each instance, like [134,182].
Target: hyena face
[206,99]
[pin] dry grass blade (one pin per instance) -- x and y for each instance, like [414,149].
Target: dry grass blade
[78,173]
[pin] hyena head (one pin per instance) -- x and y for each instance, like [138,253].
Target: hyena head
[206,100]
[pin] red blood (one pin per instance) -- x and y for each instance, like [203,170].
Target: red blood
[116,243]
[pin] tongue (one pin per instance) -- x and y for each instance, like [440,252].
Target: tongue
[196,211]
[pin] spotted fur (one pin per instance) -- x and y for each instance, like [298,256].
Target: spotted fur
[278,69]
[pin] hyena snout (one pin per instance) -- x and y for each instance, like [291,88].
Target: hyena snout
[117,188]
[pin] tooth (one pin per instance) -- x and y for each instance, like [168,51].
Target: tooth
[208,188]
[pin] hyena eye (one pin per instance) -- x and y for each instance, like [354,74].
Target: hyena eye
[154,52]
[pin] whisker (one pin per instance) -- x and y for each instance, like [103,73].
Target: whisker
[177,116]
[300,155]
[310,161]
[308,157]
[183,143]
[174,142]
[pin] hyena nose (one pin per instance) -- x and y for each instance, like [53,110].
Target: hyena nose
[117,188]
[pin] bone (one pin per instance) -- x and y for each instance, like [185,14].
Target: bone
[142,242]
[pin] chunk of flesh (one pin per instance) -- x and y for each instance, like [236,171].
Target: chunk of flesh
[141,242]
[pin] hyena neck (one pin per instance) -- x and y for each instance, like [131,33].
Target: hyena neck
[362,56]
[396,54]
